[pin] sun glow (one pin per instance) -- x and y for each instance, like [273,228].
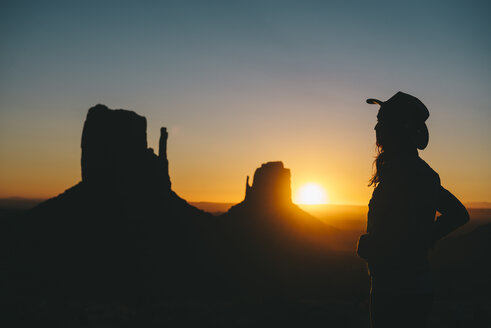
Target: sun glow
[311,193]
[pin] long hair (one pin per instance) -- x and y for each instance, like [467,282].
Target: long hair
[378,165]
[392,141]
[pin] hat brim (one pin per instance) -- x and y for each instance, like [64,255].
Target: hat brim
[373,101]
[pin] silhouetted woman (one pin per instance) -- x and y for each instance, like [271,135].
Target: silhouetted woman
[401,218]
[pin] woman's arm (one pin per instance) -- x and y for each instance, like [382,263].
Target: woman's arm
[454,214]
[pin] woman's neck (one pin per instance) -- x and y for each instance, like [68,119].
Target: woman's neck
[400,153]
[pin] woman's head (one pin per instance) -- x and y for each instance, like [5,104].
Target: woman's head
[397,137]
[400,129]
[401,122]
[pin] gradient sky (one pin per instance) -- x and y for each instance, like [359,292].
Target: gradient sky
[240,83]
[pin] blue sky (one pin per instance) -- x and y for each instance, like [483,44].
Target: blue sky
[239,83]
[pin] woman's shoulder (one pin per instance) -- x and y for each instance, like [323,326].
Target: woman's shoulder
[412,169]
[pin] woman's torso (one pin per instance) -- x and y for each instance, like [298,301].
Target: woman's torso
[400,220]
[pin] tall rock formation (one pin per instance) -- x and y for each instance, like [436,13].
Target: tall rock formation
[113,142]
[272,244]
[122,225]
[268,206]
[271,186]
[115,153]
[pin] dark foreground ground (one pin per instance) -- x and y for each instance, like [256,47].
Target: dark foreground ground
[462,275]
[448,313]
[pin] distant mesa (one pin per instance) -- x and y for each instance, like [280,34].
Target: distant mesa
[271,186]
[268,207]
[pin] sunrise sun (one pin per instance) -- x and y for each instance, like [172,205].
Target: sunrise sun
[311,193]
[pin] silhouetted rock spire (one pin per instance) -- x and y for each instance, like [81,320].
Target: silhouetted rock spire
[163,143]
[271,186]
[163,158]
[115,153]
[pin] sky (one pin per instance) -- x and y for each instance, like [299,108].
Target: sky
[241,83]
